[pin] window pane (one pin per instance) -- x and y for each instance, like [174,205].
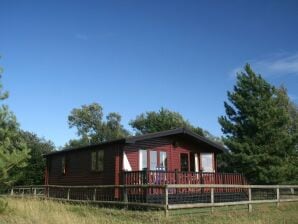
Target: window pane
[100,160]
[153,160]
[93,161]
[207,162]
[163,161]
[143,159]
[184,161]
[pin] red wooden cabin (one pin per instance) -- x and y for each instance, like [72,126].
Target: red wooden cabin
[176,156]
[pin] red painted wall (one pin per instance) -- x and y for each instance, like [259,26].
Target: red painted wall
[173,146]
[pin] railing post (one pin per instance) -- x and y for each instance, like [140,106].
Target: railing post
[68,193]
[249,200]
[94,195]
[277,196]
[166,200]
[212,199]
[176,177]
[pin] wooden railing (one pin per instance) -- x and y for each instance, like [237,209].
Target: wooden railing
[175,177]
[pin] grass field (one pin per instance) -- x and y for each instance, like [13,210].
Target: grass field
[49,212]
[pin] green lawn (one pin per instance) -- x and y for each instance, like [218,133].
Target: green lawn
[49,212]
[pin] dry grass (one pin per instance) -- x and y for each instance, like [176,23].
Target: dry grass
[49,212]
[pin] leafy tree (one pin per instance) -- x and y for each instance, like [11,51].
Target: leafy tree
[91,126]
[257,128]
[33,173]
[161,120]
[13,150]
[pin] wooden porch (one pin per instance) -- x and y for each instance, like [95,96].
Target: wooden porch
[177,177]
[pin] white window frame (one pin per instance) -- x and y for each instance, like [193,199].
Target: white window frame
[210,169]
[141,165]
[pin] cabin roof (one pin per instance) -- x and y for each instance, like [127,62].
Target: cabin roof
[134,139]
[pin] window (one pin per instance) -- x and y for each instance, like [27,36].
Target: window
[97,160]
[163,161]
[207,162]
[143,159]
[63,165]
[153,160]
[184,161]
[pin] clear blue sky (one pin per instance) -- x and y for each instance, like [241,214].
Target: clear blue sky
[136,56]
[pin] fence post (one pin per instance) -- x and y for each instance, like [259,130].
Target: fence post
[212,199]
[94,195]
[292,191]
[34,192]
[125,197]
[11,191]
[48,191]
[166,200]
[68,193]
[249,200]
[277,196]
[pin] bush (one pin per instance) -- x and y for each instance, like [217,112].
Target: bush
[3,205]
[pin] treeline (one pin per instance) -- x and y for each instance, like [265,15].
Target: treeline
[260,130]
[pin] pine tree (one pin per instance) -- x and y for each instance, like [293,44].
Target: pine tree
[13,150]
[257,130]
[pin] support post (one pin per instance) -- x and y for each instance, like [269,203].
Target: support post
[94,195]
[166,200]
[68,193]
[249,200]
[277,196]
[212,199]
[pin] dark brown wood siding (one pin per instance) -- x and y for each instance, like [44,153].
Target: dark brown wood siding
[78,167]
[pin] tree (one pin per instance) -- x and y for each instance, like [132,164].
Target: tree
[13,150]
[161,120]
[33,173]
[91,126]
[257,128]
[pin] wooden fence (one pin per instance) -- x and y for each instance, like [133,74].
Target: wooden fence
[166,197]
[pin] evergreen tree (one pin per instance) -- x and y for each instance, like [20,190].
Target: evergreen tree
[33,173]
[13,150]
[257,128]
